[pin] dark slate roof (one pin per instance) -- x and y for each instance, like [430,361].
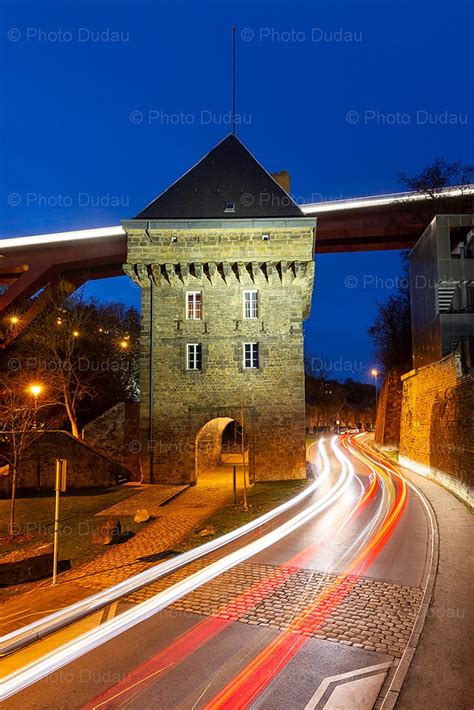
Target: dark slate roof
[228,174]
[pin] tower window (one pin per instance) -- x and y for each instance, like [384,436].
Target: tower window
[194,356]
[229,207]
[193,305]
[250,304]
[251,356]
[265,237]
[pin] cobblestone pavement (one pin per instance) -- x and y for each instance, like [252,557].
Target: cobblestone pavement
[374,615]
[150,497]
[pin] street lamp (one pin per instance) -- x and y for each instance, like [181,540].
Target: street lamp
[13,322]
[374,374]
[35,391]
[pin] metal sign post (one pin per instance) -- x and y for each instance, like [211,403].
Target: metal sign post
[243,457]
[61,465]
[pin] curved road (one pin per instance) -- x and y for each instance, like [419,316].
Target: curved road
[319,618]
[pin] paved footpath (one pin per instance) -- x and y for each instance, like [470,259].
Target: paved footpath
[177,520]
[441,673]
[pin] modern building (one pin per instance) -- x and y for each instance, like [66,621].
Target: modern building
[442,290]
[224,259]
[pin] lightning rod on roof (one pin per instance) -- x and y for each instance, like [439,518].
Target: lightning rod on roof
[233,79]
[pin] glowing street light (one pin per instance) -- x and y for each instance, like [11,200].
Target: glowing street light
[14,320]
[75,333]
[374,374]
[35,391]
[124,344]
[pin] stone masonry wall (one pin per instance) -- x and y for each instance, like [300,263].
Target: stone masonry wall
[222,263]
[421,389]
[452,436]
[389,409]
[115,434]
[85,468]
[209,444]
[437,429]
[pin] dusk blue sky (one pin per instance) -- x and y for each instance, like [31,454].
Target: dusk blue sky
[87,119]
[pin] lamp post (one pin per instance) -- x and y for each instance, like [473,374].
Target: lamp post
[374,374]
[35,391]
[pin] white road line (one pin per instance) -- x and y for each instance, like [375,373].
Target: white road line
[342,676]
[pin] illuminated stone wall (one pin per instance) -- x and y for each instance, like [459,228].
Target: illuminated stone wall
[222,260]
[437,425]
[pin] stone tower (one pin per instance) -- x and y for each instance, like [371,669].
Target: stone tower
[224,259]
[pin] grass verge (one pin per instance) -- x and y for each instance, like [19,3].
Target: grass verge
[34,525]
[262,497]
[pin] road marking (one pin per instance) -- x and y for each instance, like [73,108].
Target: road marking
[23,615]
[350,675]
[358,694]
[36,651]
[109,612]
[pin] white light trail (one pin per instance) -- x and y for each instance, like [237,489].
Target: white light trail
[378,518]
[311,208]
[46,625]
[35,671]
[55,238]
[359,203]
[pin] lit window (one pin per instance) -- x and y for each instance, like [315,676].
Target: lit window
[250,355]
[194,356]
[250,304]
[193,305]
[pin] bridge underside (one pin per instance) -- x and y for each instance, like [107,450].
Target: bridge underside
[31,269]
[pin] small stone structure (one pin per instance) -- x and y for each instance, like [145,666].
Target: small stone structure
[86,468]
[107,532]
[26,565]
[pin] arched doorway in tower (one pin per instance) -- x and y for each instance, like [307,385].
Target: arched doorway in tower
[219,449]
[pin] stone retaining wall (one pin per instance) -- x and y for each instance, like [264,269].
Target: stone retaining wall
[86,468]
[437,425]
[387,430]
[115,434]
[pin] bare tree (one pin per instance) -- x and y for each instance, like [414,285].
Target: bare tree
[391,329]
[434,181]
[20,425]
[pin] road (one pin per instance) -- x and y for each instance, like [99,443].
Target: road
[319,618]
